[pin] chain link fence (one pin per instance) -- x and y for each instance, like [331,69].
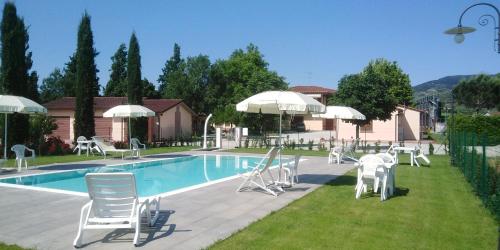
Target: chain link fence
[479,161]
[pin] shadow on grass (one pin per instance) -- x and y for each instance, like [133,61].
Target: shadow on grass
[317,178]
[343,180]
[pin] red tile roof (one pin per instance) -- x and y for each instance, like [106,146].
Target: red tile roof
[105,103]
[312,90]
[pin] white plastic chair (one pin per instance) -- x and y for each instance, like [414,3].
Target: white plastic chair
[256,176]
[420,155]
[137,146]
[20,151]
[335,153]
[391,164]
[114,203]
[291,170]
[371,170]
[81,145]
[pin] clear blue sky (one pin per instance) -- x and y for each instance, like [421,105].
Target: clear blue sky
[307,42]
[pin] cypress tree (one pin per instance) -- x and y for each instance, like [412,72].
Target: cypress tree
[117,84]
[86,80]
[16,62]
[134,86]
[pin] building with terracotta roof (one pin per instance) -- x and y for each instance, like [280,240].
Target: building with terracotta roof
[173,118]
[321,94]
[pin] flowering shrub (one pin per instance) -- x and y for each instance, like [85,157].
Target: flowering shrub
[120,144]
[55,146]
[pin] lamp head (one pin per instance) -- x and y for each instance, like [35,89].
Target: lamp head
[459,32]
[459,38]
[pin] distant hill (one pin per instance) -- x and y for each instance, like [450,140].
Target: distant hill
[441,87]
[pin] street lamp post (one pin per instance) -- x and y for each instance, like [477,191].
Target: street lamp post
[460,30]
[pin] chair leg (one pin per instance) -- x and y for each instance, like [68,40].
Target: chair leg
[359,190]
[137,229]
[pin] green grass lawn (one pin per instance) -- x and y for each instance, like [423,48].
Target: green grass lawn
[44,160]
[11,247]
[434,208]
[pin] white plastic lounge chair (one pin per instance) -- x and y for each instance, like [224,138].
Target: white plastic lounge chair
[371,170]
[137,146]
[335,153]
[350,150]
[20,151]
[291,171]
[256,176]
[105,148]
[82,144]
[114,204]
[420,155]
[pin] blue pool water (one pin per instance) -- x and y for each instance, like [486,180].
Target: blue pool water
[153,177]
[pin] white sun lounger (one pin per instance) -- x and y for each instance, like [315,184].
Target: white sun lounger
[256,176]
[105,148]
[114,203]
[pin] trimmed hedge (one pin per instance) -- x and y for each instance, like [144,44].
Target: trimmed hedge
[479,124]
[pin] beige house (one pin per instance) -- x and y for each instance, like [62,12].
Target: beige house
[173,118]
[403,125]
[321,94]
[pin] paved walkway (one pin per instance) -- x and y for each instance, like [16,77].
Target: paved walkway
[189,220]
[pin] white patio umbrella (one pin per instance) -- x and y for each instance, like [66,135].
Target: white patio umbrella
[130,111]
[10,104]
[340,112]
[279,102]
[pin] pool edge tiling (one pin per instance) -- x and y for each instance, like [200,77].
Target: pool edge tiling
[163,177]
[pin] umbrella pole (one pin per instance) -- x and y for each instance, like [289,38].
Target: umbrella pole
[5,139]
[129,134]
[279,156]
[337,131]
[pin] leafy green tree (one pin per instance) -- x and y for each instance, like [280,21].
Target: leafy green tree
[15,78]
[117,84]
[480,92]
[374,92]
[172,65]
[243,74]
[149,89]
[52,87]
[134,86]
[87,83]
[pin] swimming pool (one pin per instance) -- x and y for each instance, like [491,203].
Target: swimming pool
[152,178]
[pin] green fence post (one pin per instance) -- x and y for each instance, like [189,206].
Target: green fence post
[472,168]
[464,155]
[484,172]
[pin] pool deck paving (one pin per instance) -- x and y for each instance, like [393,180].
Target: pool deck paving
[193,219]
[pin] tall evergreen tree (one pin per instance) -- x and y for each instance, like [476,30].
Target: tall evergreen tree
[134,86]
[117,84]
[86,80]
[172,66]
[15,65]
[69,79]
